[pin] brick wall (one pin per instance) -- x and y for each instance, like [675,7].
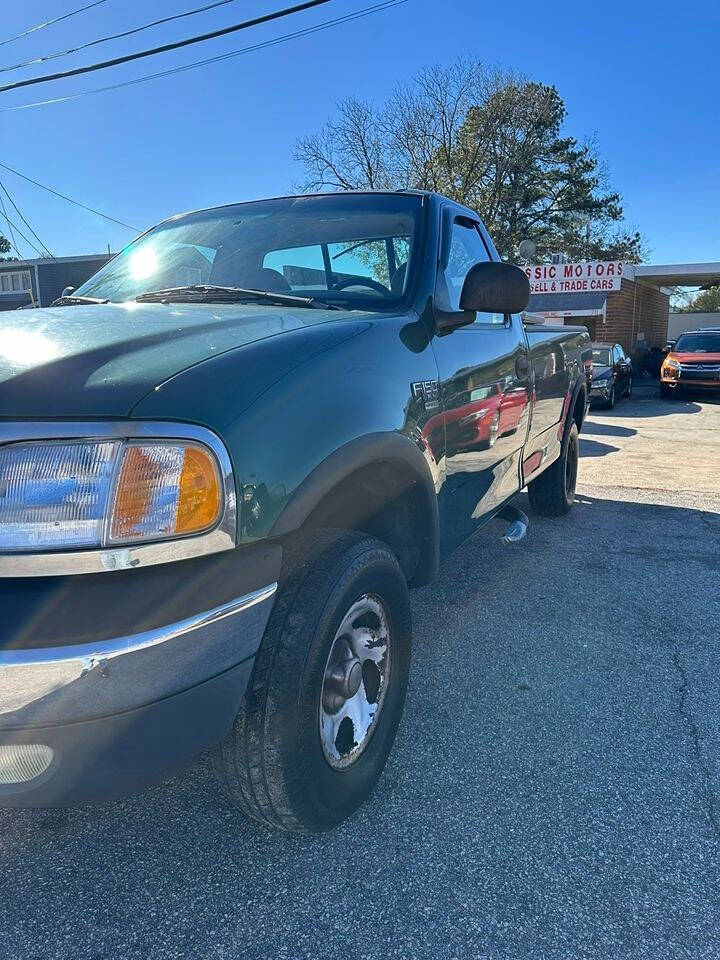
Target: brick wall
[650,309]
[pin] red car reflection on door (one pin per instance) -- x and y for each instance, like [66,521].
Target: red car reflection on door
[487,414]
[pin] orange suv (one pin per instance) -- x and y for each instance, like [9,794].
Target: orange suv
[693,361]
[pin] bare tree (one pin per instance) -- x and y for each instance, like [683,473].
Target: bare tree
[348,153]
[489,139]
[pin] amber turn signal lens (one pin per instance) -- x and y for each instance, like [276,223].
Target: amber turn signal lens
[165,489]
[199,497]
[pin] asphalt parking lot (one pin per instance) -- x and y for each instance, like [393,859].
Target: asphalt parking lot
[555,791]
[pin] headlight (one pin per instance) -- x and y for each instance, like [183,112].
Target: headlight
[477,415]
[671,368]
[84,494]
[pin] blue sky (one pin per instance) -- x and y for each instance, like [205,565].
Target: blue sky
[643,77]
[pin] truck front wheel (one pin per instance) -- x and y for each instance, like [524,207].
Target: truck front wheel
[328,687]
[553,492]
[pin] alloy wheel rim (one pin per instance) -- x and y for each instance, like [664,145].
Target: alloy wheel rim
[355,682]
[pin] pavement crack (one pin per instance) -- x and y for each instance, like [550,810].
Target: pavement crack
[705,787]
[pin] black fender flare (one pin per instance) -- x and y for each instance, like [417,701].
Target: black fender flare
[365,451]
[580,387]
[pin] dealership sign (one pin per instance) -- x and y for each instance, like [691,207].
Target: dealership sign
[576,277]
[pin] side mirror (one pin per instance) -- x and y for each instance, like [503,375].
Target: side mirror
[68,292]
[668,346]
[495,288]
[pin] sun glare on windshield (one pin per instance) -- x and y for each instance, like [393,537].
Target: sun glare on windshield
[143,264]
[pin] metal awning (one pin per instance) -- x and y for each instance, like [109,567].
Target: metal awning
[678,274]
[568,304]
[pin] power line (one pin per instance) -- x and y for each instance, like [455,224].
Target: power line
[22,261]
[307,31]
[13,241]
[19,213]
[48,23]
[114,36]
[69,199]
[91,68]
[14,227]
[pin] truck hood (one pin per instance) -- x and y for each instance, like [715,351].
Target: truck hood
[99,361]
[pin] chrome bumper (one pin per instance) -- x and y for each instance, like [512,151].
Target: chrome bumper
[60,685]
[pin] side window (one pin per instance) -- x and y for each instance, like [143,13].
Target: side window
[466,249]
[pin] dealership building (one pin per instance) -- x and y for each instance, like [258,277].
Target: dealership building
[618,302]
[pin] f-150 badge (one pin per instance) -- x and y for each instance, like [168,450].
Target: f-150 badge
[428,391]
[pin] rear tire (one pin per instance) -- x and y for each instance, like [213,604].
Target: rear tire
[275,763]
[553,492]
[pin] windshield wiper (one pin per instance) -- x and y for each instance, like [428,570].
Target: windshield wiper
[210,293]
[73,301]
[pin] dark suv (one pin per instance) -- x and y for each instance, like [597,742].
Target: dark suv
[612,374]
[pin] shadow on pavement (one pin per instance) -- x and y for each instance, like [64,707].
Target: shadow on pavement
[649,405]
[607,430]
[593,448]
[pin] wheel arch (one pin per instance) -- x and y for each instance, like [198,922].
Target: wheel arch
[378,484]
[576,407]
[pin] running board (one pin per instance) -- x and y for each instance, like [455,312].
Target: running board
[517,524]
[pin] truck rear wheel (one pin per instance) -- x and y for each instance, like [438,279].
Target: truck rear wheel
[328,687]
[553,492]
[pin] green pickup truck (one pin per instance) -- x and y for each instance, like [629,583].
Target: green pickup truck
[224,460]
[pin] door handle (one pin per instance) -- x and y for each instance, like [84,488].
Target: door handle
[522,367]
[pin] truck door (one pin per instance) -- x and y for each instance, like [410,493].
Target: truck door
[484,389]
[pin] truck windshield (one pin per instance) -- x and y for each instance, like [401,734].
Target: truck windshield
[352,250]
[698,343]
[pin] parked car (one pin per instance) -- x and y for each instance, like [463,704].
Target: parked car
[612,374]
[217,491]
[692,362]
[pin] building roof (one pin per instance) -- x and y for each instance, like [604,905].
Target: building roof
[678,274]
[38,261]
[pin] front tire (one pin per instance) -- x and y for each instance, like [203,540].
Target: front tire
[666,393]
[610,402]
[337,647]
[552,494]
